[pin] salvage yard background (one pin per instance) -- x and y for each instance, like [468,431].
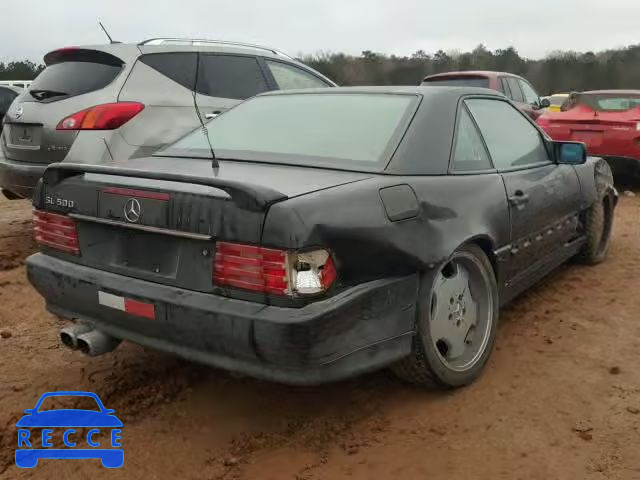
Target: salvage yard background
[559,400]
[558,72]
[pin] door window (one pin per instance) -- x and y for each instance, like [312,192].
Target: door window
[288,77]
[230,76]
[530,95]
[512,140]
[505,87]
[516,93]
[469,152]
[179,67]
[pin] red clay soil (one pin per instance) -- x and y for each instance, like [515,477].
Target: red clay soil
[560,398]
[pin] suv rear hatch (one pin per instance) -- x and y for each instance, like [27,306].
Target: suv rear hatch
[161,226]
[74,79]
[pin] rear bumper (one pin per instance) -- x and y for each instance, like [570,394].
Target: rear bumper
[19,177]
[364,328]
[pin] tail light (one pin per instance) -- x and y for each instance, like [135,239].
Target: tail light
[543,121]
[108,116]
[56,231]
[273,271]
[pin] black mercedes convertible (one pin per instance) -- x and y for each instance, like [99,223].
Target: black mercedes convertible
[309,236]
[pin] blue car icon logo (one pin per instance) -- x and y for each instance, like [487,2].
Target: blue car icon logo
[65,424]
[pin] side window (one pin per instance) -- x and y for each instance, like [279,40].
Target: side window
[179,67]
[505,87]
[530,95]
[6,97]
[516,93]
[230,76]
[512,140]
[289,77]
[469,153]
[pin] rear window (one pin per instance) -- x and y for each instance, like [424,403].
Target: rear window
[70,78]
[557,100]
[482,82]
[349,131]
[610,102]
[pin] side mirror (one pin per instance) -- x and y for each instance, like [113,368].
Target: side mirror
[544,103]
[29,411]
[571,153]
[109,411]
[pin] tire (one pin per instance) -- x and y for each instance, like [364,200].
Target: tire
[9,195]
[429,363]
[598,225]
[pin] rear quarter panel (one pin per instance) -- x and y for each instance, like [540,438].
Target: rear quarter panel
[169,111]
[352,222]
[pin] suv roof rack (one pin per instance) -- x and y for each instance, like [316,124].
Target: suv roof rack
[201,41]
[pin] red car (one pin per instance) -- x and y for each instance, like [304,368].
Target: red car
[608,122]
[514,87]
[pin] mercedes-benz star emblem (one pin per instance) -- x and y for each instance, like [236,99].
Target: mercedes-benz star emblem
[19,112]
[132,210]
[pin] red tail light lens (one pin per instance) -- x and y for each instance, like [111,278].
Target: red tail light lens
[56,231]
[273,271]
[251,268]
[108,116]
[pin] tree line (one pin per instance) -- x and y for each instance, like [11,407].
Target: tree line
[558,72]
[19,70]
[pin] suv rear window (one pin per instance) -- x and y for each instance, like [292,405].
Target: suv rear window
[458,82]
[70,78]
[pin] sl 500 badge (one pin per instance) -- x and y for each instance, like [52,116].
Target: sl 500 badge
[55,201]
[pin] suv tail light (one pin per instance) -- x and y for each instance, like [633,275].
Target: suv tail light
[56,231]
[273,271]
[108,116]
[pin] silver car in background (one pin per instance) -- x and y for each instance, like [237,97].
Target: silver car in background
[109,103]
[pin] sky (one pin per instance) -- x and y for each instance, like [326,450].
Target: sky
[535,28]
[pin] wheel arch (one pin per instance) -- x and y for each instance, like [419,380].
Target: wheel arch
[487,245]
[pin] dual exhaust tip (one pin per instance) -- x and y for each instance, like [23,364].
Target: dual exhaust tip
[87,339]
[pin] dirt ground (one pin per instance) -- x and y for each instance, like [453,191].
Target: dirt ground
[560,398]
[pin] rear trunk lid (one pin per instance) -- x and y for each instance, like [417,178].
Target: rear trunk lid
[74,79]
[149,223]
[584,124]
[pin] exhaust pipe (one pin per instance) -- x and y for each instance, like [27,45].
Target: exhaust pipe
[96,343]
[69,335]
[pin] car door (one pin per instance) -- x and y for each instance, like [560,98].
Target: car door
[543,196]
[224,80]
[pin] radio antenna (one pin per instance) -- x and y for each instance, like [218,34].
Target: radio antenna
[106,33]
[203,126]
